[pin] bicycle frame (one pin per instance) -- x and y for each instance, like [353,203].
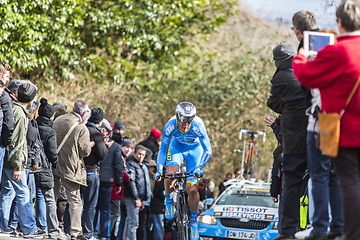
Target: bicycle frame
[248,157]
[181,207]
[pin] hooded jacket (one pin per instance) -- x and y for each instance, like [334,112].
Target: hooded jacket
[17,154]
[287,98]
[48,138]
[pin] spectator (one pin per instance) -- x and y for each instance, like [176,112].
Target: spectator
[14,175]
[118,132]
[111,170]
[44,179]
[288,99]
[135,192]
[142,231]
[60,109]
[334,71]
[276,172]
[156,227]
[6,113]
[153,142]
[90,192]
[222,187]
[116,223]
[61,195]
[73,141]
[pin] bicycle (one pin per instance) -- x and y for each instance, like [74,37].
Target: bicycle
[249,159]
[181,207]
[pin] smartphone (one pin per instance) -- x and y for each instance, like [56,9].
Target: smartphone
[317,40]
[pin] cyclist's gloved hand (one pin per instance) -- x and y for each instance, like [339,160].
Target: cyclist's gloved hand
[198,171]
[157,175]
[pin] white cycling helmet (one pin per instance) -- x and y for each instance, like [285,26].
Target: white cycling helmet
[185,112]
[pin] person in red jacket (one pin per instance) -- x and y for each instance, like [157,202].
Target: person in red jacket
[335,70]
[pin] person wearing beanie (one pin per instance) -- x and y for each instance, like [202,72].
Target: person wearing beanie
[153,142]
[287,98]
[99,151]
[127,147]
[14,176]
[111,171]
[118,132]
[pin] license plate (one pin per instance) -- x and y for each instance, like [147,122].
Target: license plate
[242,235]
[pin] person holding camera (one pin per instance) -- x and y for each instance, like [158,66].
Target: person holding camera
[335,71]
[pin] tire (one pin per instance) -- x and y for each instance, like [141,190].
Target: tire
[182,217]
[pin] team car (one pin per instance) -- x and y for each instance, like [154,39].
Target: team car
[245,210]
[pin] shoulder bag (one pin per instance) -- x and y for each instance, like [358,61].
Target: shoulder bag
[329,125]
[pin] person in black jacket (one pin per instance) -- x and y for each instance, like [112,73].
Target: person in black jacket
[287,98]
[111,170]
[153,142]
[6,113]
[135,192]
[90,193]
[47,153]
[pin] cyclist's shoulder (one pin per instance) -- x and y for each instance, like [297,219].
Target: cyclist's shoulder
[170,126]
[198,122]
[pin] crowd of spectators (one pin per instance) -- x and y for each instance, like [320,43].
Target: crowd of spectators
[73,174]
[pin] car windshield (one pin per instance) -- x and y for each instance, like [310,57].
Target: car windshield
[238,196]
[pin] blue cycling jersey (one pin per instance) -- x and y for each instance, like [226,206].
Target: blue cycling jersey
[195,136]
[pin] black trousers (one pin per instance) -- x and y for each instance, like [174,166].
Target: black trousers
[294,169]
[347,167]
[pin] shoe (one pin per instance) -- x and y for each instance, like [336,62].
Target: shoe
[60,236]
[5,233]
[334,235]
[305,233]
[194,235]
[284,237]
[14,233]
[79,237]
[169,210]
[38,233]
[313,236]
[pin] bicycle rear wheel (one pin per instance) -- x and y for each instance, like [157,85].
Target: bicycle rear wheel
[182,217]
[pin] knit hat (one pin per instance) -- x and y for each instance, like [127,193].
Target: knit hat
[156,133]
[127,143]
[284,51]
[119,125]
[26,92]
[97,115]
[45,109]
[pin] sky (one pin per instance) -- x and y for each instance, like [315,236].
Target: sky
[283,10]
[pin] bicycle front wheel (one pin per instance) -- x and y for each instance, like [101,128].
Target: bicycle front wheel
[182,217]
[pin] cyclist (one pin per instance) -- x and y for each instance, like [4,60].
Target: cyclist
[184,136]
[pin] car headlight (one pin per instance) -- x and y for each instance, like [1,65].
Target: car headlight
[207,219]
[275,226]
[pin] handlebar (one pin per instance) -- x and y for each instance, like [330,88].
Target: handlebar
[178,175]
[254,133]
